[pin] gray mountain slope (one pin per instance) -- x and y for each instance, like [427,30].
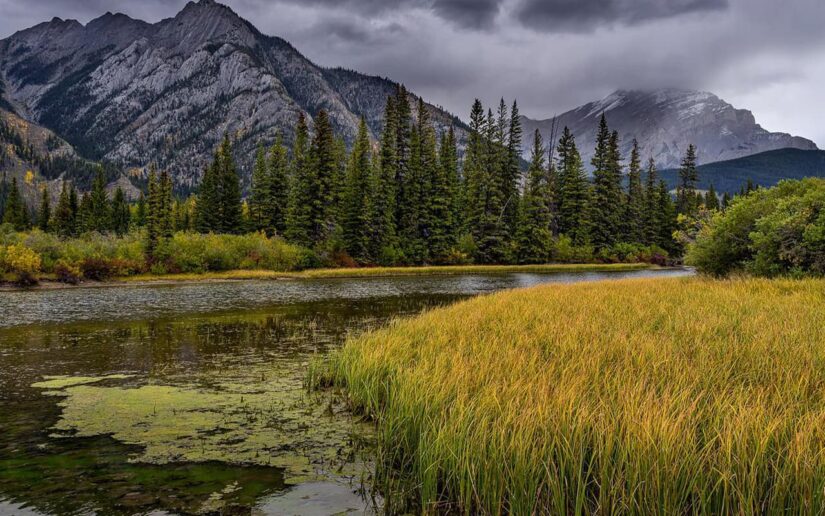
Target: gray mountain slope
[665,122]
[132,93]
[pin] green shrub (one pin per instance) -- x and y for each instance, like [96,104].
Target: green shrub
[196,253]
[565,251]
[776,231]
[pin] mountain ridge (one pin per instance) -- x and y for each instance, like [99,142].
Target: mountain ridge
[765,169]
[132,92]
[665,121]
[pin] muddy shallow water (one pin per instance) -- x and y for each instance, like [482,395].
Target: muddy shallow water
[188,399]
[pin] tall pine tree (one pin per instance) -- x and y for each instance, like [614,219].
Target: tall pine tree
[120,213]
[534,236]
[634,224]
[356,203]
[302,190]
[45,212]
[15,212]
[276,210]
[686,201]
[384,240]
[574,192]
[606,206]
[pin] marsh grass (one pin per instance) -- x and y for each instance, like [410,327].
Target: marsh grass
[375,272]
[654,396]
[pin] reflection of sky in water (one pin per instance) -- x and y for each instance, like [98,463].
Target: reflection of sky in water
[138,302]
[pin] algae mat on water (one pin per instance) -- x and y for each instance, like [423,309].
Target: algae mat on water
[250,415]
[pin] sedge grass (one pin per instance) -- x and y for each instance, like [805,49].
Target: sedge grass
[654,396]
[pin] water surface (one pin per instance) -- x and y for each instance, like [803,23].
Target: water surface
[188,399]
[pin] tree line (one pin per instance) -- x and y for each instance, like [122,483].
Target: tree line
[408,198]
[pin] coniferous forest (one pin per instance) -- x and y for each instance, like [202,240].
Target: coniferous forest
[409,197]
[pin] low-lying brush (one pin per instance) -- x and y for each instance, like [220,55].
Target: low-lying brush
[98,257]
[662,396]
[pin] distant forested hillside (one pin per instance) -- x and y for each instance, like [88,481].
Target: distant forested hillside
[764,169]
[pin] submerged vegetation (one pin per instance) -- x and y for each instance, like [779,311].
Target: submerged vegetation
[630,397]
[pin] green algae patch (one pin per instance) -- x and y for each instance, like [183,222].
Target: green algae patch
[241,416]
[62,382]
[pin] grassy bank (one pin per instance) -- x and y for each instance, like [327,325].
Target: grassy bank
[665,396]
[375,272]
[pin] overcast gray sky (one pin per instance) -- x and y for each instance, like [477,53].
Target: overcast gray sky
[764,55]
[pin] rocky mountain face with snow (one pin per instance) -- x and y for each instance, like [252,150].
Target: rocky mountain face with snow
[132,93]
[665,122]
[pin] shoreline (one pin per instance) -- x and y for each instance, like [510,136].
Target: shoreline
[348,273]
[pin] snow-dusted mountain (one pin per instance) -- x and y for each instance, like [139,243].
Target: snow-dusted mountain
[665,122]
[132,92]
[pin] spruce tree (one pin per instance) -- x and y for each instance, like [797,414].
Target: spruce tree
[140,211]
[229,198]
[356,204]
[207,214]
[513,169]
[15,211]
[634,224]
[45,212]
[686,200]
[667,219]
[448,156]
[414,210]
[403,133]
[164,218]
[85,214]
[4,190]
[100,215]
[606,207]
[260,199]
[492,244]
[711,199]
[120,213]
[277,170]
[323,173]
[153,213]
[63,221]
[651,205]
[474,181]
[574,192]
[74,204]
[534,237]
[384,242]
[299,214]
[439,202]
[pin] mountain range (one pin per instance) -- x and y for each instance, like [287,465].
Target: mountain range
[665,122]
[131,92]
[127,92]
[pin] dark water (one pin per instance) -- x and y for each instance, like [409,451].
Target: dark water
[188,399]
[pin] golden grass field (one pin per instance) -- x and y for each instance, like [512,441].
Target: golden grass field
[652,396]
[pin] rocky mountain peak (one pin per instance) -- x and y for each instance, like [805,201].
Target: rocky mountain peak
[130,92]
[665,121]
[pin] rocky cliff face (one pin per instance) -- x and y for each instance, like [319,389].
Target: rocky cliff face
[132,93]
[665,122]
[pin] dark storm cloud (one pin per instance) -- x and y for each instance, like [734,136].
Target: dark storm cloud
[551,55]
[473,14]
[476,14]
[578,15]
[354,31]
